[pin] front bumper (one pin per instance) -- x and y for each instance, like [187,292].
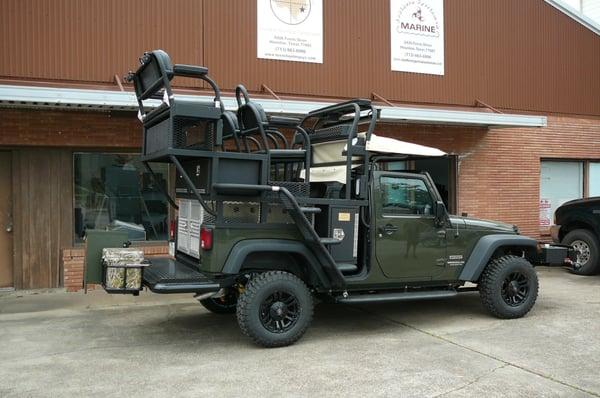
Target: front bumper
[555,233]
[555,255]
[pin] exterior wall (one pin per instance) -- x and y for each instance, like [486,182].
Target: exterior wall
[94,40]
[72,129]
[499,169]
[511,54]
[42,143]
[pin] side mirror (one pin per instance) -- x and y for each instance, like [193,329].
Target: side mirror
[439,210]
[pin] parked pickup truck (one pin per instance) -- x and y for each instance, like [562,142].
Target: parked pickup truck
[577,224]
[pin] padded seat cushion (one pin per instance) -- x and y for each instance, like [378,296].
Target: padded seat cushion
[287,153]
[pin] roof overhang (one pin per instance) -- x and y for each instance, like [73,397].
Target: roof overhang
[75,98]
[576,15]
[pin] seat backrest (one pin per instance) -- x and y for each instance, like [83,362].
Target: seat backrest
[231,128]
[153,76]
[252,118]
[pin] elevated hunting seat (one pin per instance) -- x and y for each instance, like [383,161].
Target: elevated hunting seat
[178,122]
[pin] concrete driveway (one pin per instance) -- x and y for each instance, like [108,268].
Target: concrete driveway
[66,344]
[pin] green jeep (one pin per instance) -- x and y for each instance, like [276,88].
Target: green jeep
[275,212]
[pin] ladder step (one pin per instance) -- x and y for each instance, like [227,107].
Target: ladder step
[310,210]
[330,241]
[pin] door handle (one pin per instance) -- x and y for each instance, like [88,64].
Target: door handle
[389,229]
[9,223]
[441,233]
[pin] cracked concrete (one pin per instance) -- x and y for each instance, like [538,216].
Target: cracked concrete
[60,344]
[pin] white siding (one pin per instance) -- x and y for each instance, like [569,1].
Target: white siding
[591,9]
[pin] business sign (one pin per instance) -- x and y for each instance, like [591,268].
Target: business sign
[290,30]
[417,36]
[545,212]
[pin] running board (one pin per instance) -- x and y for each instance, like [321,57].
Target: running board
[402,296]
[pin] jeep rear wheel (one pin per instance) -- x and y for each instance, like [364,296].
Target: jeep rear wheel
[275,309]
[508,287]
[588,251]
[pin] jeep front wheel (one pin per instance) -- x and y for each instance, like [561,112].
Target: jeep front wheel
[508,287]
[275,309]
[588,251]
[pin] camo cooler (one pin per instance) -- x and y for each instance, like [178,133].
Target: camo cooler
[122,270]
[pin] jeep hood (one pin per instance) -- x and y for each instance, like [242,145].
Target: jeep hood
[482,225]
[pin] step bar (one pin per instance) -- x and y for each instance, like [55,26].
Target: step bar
[399,296]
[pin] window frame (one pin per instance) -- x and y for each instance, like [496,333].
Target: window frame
[413,176]
[544,231]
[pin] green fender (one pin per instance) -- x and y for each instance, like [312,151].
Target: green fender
[485,248]
[241,250]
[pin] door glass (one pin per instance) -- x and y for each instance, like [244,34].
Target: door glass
[441,172]
[594,179]
[405,196]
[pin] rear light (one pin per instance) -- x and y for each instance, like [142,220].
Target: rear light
[172,226]
[206,238]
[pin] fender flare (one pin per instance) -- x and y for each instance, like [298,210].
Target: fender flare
[242,249]
[485,248]
[582,219]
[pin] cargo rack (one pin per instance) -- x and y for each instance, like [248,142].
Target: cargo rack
[245,156]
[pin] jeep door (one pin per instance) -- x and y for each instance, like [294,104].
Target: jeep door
[409,244]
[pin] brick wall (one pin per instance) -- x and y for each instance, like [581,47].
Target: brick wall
[54,128]
[499,169]
[73,264]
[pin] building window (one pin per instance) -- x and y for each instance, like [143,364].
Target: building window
[113,191]
[594,179]
[561,181]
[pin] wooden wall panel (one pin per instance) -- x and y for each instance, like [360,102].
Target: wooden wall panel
[43,215]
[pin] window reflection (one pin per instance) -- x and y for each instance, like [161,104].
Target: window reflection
[114,191]
[405,196]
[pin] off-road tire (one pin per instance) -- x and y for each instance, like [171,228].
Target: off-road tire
[493,280]
[592,265]
[221,305]
[251,304]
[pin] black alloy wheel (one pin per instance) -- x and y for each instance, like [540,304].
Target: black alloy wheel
[279,312]
[515,289]
[508,287]
[275,308]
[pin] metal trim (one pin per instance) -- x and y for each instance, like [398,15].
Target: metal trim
[71,98]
